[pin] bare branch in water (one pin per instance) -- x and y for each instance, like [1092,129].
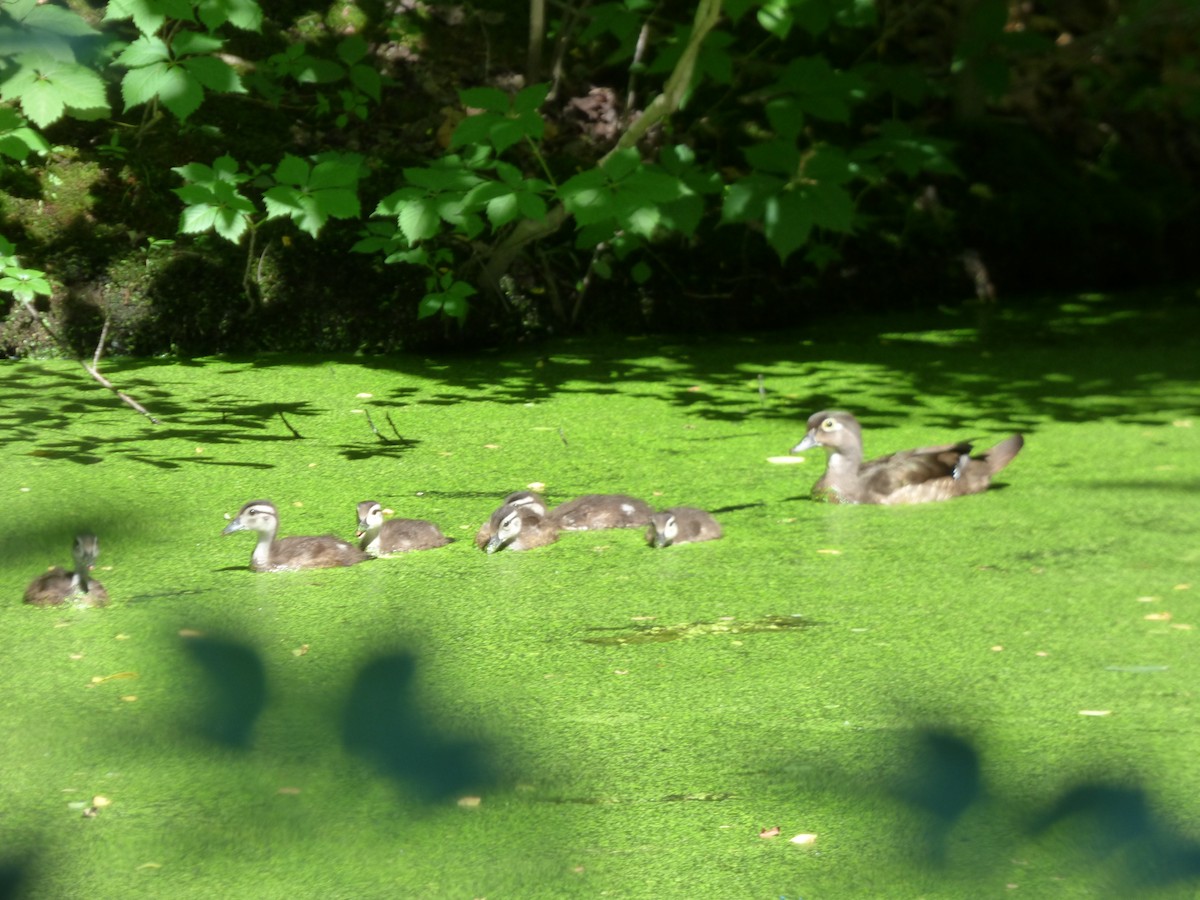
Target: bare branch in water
[94,369]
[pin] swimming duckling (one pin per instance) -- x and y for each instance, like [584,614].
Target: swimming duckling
[271,555]
[909,476]
[526,499]
[682,525]
[59,586]
[519,528]
[592,512]
[380,538]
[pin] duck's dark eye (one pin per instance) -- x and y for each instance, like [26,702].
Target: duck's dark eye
[829,425]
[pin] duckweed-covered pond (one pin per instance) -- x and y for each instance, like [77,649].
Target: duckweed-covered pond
[990,696]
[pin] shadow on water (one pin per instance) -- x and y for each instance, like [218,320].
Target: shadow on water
[1081,359]
[1103,826]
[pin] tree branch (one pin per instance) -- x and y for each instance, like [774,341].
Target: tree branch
[94,368]
[708,12]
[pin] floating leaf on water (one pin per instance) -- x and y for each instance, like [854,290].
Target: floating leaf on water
[130,698]
[301,650]
[997,648]
[469,802]
[536,486]
[190,633]
[288,791]
[1183,587]
[785,460]
[803,840]
[829,552]
[1095,712]
[1158,617]
[770,832]
[363,395]
[1148,599]
[1181,626]
[150,866]
[100,801]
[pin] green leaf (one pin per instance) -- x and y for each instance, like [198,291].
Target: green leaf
[141,85]
[43,103]
[777,156]
[419,219]
[531,206]
[474,129]
[490,99]
[148,15]
[179,92]
[192,43]
[622,163]
[787,222]
[145,51]
[244,14]
[506,133]
[368,81]
[502,210]
[829,206]
[431,304]
[215,74]
[641,272]
[351,49]
[530,99]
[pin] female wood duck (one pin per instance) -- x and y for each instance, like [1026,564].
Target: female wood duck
[922,475]
[271,555]
[593,512]
[519,527]
[682,525]
[59,586]
[380,538]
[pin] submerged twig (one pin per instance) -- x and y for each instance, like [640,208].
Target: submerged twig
[396,431]
[563,437]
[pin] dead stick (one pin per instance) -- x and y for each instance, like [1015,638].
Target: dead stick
[93,369]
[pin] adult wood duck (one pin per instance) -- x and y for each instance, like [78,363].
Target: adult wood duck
[271,555]
[592,512]
[922,475]
[58,586]
[519,527]
[682,525]
[380,538]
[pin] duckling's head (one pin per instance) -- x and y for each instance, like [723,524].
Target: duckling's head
[370,515]
[506,529]
[257,515]
[663,530]
[834,429]
[87,548]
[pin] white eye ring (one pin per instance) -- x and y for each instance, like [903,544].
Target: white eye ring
[829,425]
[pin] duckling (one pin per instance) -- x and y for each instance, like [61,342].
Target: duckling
[526,499]
[380,538]
[910,476]
[592,512]
[519,528]
[59,586]
[271,555]
[682,525]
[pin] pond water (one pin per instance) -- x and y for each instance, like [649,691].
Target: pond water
[918,687]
